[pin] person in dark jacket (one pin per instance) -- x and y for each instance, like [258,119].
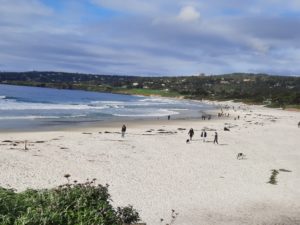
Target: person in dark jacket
[191,133]
[216,138]
[123,130]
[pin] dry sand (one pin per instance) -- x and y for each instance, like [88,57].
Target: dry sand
[157,171]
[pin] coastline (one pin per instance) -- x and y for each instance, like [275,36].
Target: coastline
[155,170]
[71,109]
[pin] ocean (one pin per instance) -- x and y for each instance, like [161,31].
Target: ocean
[27,108]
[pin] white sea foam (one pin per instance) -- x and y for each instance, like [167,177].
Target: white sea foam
[12,109]
[11,105]
[179,109]
[54,105]
[106,102]
[28,117]
[160,100]
[38,117]
[145,101]
[157,113]
[118,104]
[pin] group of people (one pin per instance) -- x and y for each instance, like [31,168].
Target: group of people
[203,135]
[203,117]
[223,114]
[190,133]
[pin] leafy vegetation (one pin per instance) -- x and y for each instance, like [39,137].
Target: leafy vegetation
[274,91]
[147,92]
[69,204]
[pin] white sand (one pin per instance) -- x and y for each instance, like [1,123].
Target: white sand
[203,182]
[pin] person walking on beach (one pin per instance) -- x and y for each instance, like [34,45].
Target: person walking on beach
[191,133]
[216,138]
[169,117]
[203,135]
[123,130]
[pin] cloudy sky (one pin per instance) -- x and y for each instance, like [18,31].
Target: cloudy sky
[151,37]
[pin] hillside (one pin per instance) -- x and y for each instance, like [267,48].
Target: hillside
[275,91]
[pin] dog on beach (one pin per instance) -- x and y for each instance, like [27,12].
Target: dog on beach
[240,155]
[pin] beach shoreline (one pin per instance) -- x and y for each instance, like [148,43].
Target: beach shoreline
[52,109]
[115,122]
[155,170]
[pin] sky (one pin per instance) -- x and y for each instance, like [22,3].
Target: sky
[151,37]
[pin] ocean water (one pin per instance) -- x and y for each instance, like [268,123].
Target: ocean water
[31,107]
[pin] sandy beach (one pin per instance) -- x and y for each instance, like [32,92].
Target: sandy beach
[155,170]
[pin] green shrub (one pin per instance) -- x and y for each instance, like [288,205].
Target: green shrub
[69,204]
[127,214]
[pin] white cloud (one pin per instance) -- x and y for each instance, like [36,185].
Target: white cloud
[258,45]
[23,8]
[150,37]
[188,14]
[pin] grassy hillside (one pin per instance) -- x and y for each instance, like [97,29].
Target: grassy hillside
[275,91]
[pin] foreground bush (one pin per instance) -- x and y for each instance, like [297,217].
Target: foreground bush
[69,204]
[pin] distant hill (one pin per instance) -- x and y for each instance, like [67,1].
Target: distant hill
[276,91]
